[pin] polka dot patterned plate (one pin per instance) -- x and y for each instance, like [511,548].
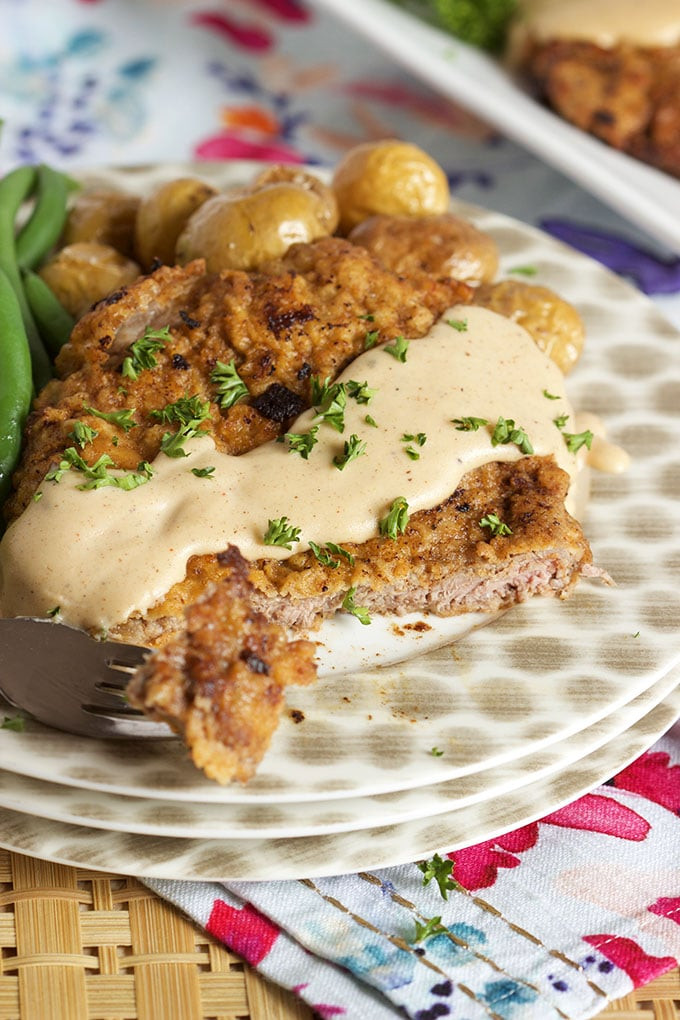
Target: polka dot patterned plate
[539,674]
[99,810]
[309,856]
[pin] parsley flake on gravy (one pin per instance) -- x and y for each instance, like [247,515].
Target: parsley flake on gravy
[505,431]
[458,324]
[352,448]
[575,440]
[398,349]
[468,424]
[280,532]
[206,472]
[300,442]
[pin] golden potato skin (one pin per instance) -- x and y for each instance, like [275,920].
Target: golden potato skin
[554,324]
[163,215]
[83,273]
[441,246]
[388,177]
[244,231]
[104,216]
[279,173]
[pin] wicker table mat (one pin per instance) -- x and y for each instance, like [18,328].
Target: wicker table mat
[84,945]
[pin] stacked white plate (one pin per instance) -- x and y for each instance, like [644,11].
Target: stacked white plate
[461,742]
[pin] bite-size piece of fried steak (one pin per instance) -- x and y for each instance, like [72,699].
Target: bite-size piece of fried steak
[220,683]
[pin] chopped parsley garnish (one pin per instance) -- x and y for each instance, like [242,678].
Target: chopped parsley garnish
[324,556]
[439,870]
[352,448]
[575,440]
[505,431]
[123,418]
[495,525]
[329,401]
[368,317]
[419,438]
[37,496]
[143,351]
[432,927]
[54,611]
[398,349]
[524,270]
[301,442]
[551,396]
[435,752]
[360,612]
[561,420]
[468,424]
[82,434]
[396,521]
[186,410]
[458,324]
[230,386]
[17,723]
[370,420]
[371,339]
[172,443]
[359,391]
[280,532]
[206,472]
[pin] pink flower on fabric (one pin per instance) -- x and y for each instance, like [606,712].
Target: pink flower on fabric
[231,146]
[326,1012]
[653,777]
[596,813]
[626,954]
[476,867]
[668,907]
[248,932]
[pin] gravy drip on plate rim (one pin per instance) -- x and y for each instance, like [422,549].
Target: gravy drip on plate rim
[101,555]
[603,22]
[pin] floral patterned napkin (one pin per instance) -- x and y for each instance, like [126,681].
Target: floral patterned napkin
[552,920]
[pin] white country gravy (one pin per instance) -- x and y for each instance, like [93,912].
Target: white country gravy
[604,22]
[101,555]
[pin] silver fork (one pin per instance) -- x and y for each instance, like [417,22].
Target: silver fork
[64,678]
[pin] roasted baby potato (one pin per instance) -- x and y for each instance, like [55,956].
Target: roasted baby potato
[554,324]
[104,216]
[243,231]
[83,273]
[440,246]
[389,177]
[282,173]
[163,215]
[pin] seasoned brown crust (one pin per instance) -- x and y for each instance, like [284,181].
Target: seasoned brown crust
[220,684]
[305,314]
[627,96]
[432,246]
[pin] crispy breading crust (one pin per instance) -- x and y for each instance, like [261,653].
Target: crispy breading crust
[627,96]
[303,315]
[220,684]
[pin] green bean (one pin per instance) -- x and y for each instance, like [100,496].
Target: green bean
[54,322]
[14,188]
[41,230]
[16,385]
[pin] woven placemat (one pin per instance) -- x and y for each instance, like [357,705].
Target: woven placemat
[84,945]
